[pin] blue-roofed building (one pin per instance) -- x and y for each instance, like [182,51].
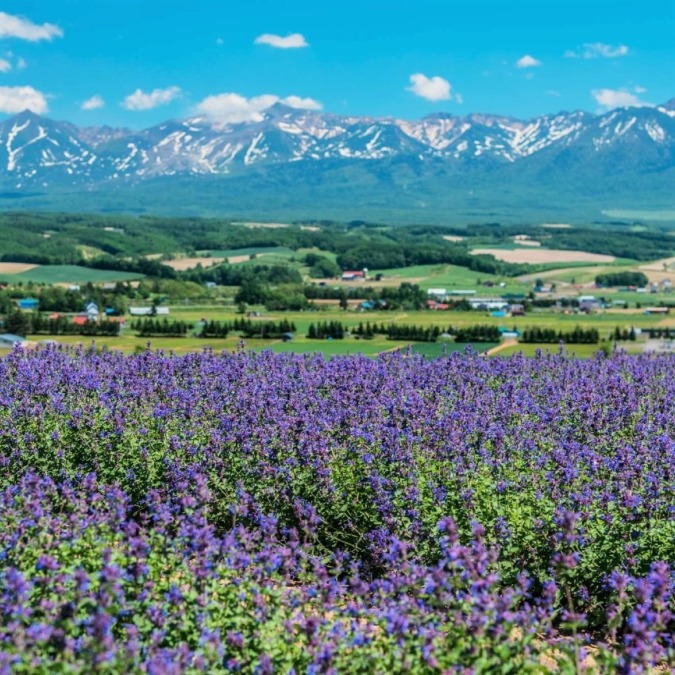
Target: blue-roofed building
[28,303]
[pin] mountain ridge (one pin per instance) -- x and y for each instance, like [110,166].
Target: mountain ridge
[298,159]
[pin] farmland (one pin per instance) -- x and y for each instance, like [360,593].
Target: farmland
[376,486]
[277,512]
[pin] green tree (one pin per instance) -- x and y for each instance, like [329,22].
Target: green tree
[18,323]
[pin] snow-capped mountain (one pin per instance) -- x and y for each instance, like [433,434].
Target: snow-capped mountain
[38,151]
[302,161]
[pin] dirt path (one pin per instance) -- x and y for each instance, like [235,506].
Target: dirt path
[500,347]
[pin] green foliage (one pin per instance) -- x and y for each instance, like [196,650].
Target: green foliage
[550,336]
[18,323]
[622,279]
[321,267]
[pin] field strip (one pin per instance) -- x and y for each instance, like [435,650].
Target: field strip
[534,256]
[15,268]
[183,264]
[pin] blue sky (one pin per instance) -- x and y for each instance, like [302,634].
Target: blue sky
[138,62]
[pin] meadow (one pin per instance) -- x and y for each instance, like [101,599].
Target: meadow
[59,274]
[263,513]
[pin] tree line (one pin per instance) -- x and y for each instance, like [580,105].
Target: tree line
[550,335]
[22,323]
[622,279]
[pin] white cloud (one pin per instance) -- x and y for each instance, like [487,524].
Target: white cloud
[5,66]
[17,99]
[291,41]
[233,108]
[21,63]
[639,90]
[527,61]
[431,88]
[18,27]
[617,98]
[594,50]
[139,100]
[553,92]
[459,98]
[93,103]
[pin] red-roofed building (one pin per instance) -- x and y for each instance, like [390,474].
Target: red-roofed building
[353,275]
[80,320]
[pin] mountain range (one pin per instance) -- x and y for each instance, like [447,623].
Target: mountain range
[291,161]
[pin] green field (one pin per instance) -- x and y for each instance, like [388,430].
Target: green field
[580,351]
[453,277]
[435,349]
[58,274]
[603,321]
[254,250]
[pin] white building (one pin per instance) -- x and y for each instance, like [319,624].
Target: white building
[147,311]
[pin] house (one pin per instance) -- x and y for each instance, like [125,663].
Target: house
[80,320]
[287,337]
[499,313]
[517,309]
[432,304]
[352,275]
[588,304]
[210,285]
[657,310]
[28,303]
[74,288]
[8,340]
[458,292]
[489,304]
[91,310]
[54,316]
[109,286]
[437,292]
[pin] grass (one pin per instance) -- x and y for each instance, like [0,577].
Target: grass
[454,277]
[255,250]
[55,274]
[379,345]
[605,322]
[435,349]
[580,351]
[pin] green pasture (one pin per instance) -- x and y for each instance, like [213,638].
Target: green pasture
[58,274]
[129,344]
[603,321]
[580,351]
[453,277]
[435,349]
[254,250]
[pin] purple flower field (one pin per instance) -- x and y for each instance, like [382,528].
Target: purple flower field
[261,513]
